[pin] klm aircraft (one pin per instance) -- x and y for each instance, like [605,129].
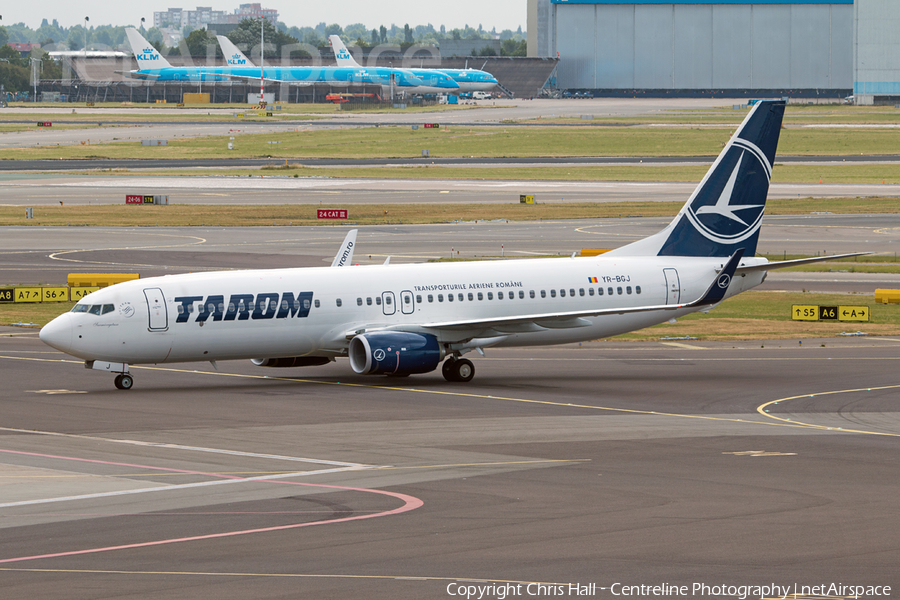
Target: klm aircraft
[469,80]
[405,319]
[152,66]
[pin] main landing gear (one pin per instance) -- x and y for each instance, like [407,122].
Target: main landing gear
[458,369]
[124,381]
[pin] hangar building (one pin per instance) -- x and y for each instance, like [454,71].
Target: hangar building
[810,47]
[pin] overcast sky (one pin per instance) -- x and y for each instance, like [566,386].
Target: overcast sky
[502,14]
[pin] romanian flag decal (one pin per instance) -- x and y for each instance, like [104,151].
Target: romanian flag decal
[592,280]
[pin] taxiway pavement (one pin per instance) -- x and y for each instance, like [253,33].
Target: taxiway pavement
[633,463]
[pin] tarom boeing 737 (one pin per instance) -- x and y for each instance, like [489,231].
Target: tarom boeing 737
[413,318]
[153,66]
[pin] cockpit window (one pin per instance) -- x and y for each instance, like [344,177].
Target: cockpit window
[94,309]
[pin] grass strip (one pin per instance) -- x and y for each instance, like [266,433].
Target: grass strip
[210,215]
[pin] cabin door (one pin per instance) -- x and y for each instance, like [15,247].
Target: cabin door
[673,288]
[156,306]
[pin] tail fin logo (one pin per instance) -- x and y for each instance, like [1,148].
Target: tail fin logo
[728,208]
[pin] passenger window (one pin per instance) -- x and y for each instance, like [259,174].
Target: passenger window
[419,299]
[430,298]
[499,295]
[609,291]
[95,309]
[581,291]
[521,295]
[471,297]
[619,290]
[306,304]
[490,295]
[511,295]
[553,293]
[599,291]
[338,302]
[637,289]
[407,299]
[179,310]
[460,297]
[440,297]
[543,293]
[449,297]
[369,301]
[359,301]
[572,292]
[480,296]
[628,290]
[388,300]
[562,293]
[378,300]
[590,291]
[531,294]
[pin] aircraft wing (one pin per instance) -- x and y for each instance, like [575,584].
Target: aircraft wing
[139,75]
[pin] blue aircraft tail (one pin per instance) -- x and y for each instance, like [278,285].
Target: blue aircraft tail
[726,209]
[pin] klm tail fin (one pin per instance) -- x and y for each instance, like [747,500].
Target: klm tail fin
[725,211]
[147,56]
[343,56]
[233,56]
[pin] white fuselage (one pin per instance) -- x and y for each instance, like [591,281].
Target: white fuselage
[316,311]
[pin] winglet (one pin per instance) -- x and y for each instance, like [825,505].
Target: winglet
[718,288]
[345,254]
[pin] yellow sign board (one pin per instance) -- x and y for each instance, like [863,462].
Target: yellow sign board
[55,294]
[853,313]
[809,312]
[804,312]
[28,294]
[526,199]
[77,293]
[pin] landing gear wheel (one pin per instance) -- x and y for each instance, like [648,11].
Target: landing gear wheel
[124,381]
[458,370]
[464,370]
[447,368]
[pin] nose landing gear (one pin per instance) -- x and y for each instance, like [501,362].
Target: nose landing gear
[458,369]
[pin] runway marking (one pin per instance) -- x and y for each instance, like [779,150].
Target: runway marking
[170,488]
[279,575]
[409,503]
[680,345]
[763,410]
[54,392]
[761,453]
[57,255]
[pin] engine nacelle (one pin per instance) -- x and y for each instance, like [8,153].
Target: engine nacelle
[292,361]
[395,353]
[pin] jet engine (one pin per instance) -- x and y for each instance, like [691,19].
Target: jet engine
[395,353]
[292,361]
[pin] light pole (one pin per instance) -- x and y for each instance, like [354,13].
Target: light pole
[86,19]
[142,24]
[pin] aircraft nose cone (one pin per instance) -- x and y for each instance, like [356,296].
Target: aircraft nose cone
[58,333]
